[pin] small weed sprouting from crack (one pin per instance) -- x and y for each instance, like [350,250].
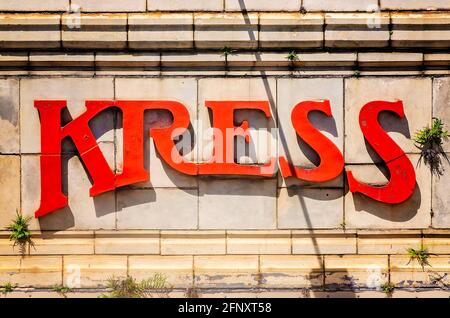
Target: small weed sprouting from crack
[421,256]
[430,143]
[388,288]
[20,234]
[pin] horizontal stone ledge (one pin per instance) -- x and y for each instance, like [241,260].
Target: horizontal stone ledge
[269,292]
[215,63]
[228,271]
[200,30]
[219,5]
[206,242]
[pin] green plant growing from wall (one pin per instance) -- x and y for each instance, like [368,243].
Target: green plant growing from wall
[226,51]
[62,290]
[430,141]
[131,288]
[191,292]
[388,288]
[20,234]
[8,288]
[292,56]
[420,255]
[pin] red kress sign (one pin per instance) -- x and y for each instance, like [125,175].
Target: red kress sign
[399,188]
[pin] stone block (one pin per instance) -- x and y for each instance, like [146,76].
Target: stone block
[14,63]
[127,242]
[262,144]
[355,271]
[409,273]
[300,208]
[290,92]
[365,213]
[161,31]
[436,59]
[9,116]
[75,91]
[31,271]
[441,199]
[228,271]
[234,30]
[181,5]
[193,242]
[414,5]
[110,5]
[127,64]
[7,246]
[198,63]
[259,242]
[62,64]
[178,270]
[437,241]
[30,31]
[291,271]
[34,5]
[371,60]
[321,242]
[292,30]
[326,60]
[415,93]
[93,271]
[62,243]
[357,30]
[9,189]
[83,211]
[441,96]
[420,29]
[262,5]
[237,204]
[161,175]
[94,31]
[388,242]
[332,5]
[157,209]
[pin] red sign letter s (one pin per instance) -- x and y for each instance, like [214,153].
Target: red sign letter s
[403,178]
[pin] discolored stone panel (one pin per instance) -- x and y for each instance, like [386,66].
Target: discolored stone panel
[441,109]
[83,211]
[237,204]
[157,209]
[415,93]
[9,188]
[310,208]
[75,91]
[441,199]
[290,93]
[262,145]
[183,90]
[363,212]
[9,116]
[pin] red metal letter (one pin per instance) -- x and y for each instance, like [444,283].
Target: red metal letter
[163,137]
[331,159]
[223,152]
[52,135]
[403,177]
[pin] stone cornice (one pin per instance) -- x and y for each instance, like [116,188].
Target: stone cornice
[213,31]
[215,64]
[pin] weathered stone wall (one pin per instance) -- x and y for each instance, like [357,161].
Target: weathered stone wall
[267,237]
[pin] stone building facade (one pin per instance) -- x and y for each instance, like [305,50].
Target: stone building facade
[226,235]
